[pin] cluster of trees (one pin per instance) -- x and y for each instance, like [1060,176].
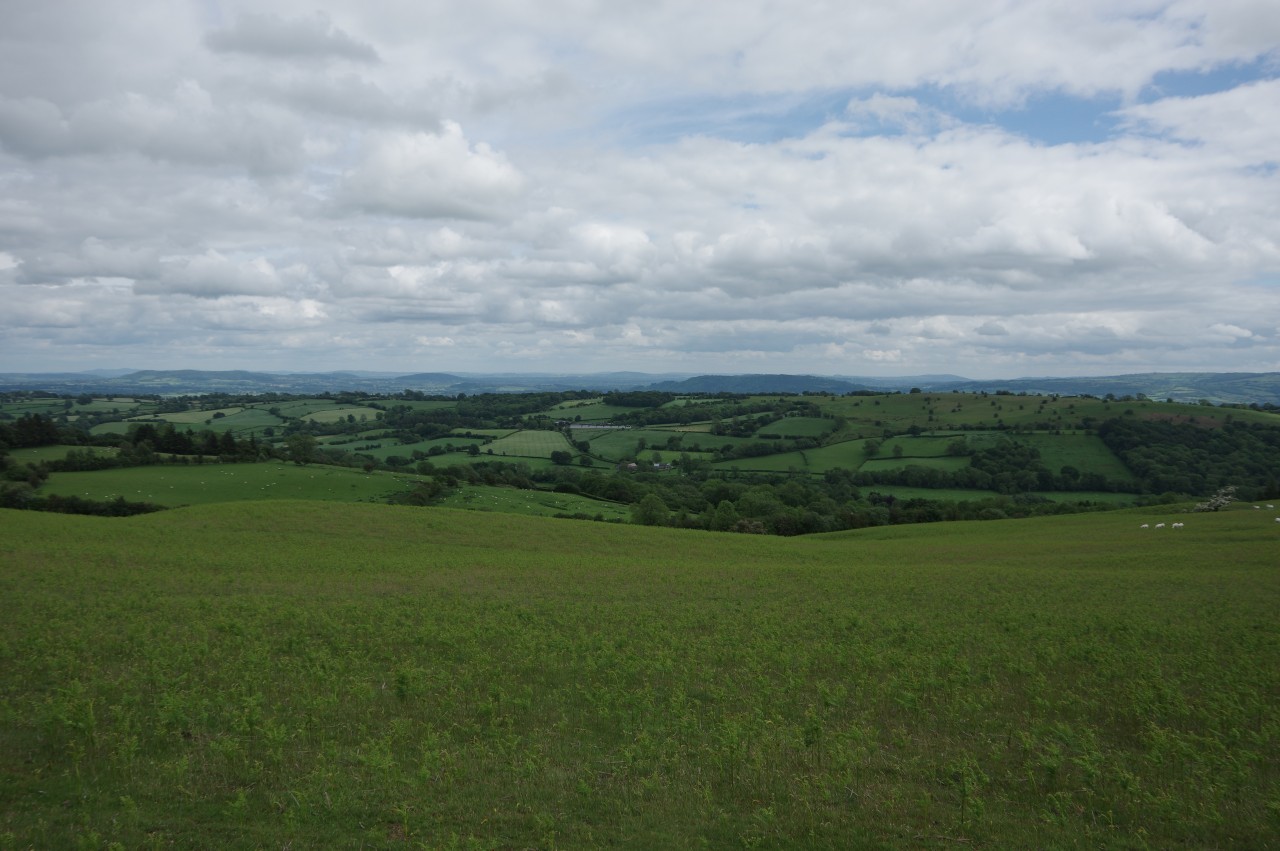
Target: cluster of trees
[760,504]
[638,398]
[165,437]
[24,497]
[761,448]
[29,430]
[751,413]
[1190,459]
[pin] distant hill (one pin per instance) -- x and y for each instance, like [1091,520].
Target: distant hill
[759,384]
[196,382]
[1213,387]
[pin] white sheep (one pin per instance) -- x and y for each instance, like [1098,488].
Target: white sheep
[1178,525]
[1159,525]
[1145,526]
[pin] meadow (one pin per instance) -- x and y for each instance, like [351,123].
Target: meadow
[815,427]
[56,452]
[531,443]
[301,674]
[173,485]
[534,503]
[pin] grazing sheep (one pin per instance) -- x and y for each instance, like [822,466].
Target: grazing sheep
[1145,526]
[1178,525]
[1159,525]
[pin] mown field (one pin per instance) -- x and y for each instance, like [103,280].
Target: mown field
[314,675]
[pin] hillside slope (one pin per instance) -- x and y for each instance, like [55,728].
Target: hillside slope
[296,673]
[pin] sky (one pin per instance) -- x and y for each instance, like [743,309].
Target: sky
[993,188]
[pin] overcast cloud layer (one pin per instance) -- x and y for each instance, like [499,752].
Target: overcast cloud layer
[994,188]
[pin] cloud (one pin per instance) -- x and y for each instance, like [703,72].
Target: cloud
[681,187]
[1241,122]
[211,275]
[425,175]
[186,126]
[93,258]
[273,37]
[1235,332]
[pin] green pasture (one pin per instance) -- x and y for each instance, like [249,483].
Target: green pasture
[969,494]
[125,406]
[622,443]
[533,502]
[239,421]
[57,452]
[348,439]
[882,462]
[196,484]
[390,446]
[691,428]
[246,422]
[1096,497]
[941,411]
[685,401]
[310,675]
[318,410]
[531,443]
[113,427]
[792,427]
[847,455]
[424,405]
[194,417]
[589,411]
[619,443]
[333,415]
[782,462]
[450,459]
[483,432]
[571,404]
[46,407]
[923,446]
[1086,452]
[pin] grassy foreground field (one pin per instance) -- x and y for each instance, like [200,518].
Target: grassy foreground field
[173,485]
[321,675]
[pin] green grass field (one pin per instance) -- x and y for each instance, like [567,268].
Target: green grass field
[192,418]
[880,462]
[387,446]
[867,415]
[622,443]
[531,443]
[848,455]
[1086,452]
[57,452]
[589,410]
[333,415]
[792,427]
[315,675]
[173,485]
[533,503]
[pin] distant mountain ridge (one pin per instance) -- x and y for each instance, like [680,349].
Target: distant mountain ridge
[1213,387]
